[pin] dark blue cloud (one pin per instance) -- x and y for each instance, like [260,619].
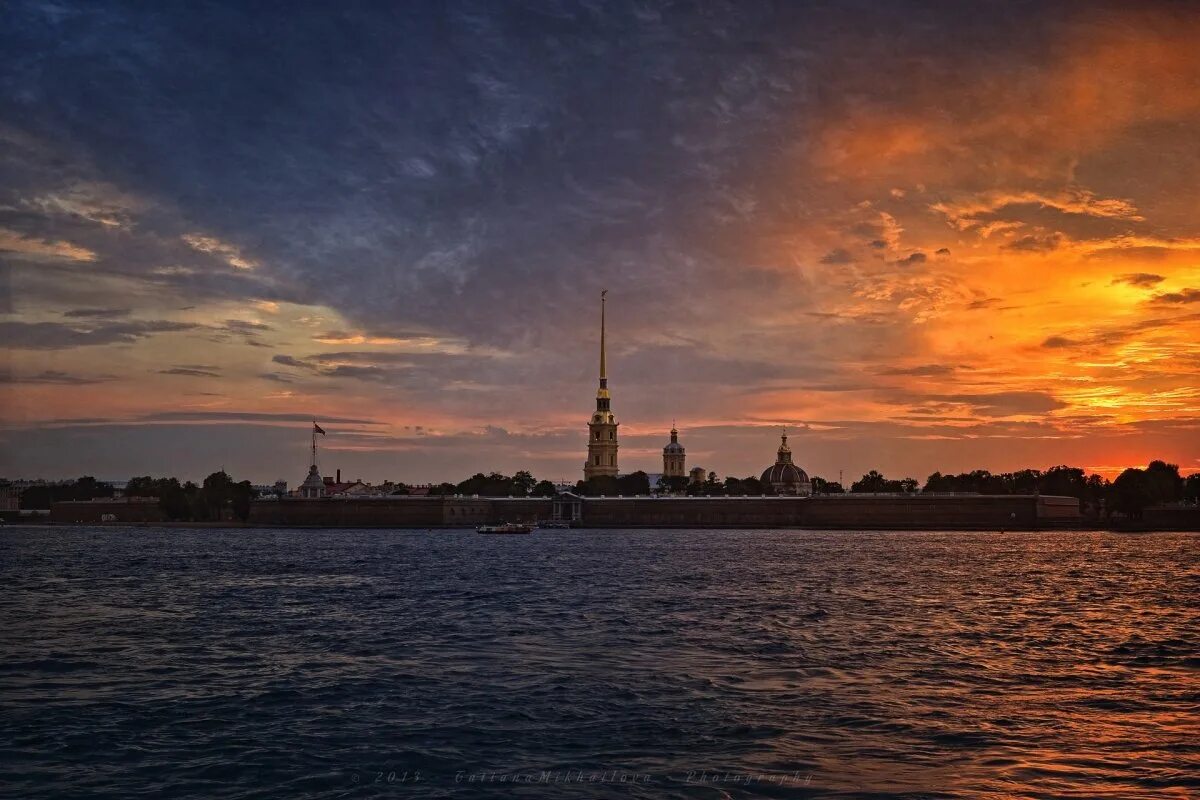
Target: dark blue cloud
[447,164]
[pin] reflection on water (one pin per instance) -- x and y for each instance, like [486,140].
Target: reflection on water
[600,664]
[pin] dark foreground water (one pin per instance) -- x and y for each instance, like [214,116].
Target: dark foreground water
[363,664]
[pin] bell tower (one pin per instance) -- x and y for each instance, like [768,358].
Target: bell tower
[674,465]
[602,429]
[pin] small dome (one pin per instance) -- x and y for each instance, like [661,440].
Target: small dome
[673,447]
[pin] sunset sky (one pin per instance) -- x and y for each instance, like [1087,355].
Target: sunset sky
[923,236]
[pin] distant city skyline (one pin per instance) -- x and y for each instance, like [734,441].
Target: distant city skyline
[921,238]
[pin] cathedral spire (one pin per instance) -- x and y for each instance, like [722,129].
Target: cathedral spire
[603,375]
[602,430]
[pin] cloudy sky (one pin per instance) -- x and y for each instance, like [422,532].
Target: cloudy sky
[923,236]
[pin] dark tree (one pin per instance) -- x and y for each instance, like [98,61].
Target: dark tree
[85,488]
[1165,484]
[1132,491]
[599,485]
[172,498]
[822,486]
[544,489]
[752,486]
[633,483]
[871,482]
[523,483]
[241,495]
[491,485]
[674,485]
[1191,488]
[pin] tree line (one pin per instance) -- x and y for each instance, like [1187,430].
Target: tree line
[1131,492]
[220,497]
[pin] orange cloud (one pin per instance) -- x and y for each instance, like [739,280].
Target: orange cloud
[41,249]
[1115,72]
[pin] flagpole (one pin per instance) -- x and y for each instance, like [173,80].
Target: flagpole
[314,443]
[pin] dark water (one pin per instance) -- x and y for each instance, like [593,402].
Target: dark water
[145,663]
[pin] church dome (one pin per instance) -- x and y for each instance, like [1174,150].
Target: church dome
[673,446]
[784,476]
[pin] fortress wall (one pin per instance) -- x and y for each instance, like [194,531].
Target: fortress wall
[520,509]
[122,511]
[465,512]
[1052,510]
[980,512]
[688,512]
[405,512]
[1169,518]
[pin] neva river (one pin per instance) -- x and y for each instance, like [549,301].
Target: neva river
[366,664]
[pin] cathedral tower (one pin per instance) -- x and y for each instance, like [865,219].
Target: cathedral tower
[673,457]
[602,430]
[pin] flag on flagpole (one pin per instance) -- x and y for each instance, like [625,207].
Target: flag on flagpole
[318,429]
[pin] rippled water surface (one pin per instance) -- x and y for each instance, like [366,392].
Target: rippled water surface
[251,663]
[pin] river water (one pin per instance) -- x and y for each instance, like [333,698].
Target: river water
[363,664]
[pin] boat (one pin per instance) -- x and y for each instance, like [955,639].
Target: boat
[505,527]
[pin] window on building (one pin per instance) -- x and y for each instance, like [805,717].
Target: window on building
[612,434]
[597,461]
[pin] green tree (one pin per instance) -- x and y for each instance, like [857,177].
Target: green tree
[544,489]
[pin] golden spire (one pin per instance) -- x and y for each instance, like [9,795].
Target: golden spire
[603,377]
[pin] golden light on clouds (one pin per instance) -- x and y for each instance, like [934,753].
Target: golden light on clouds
[227,252]
[38,249]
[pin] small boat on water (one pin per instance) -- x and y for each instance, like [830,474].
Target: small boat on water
[505,527]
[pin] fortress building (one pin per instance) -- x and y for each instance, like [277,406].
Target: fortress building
[602,430]
[673,457]
[784,476]
[314,485]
